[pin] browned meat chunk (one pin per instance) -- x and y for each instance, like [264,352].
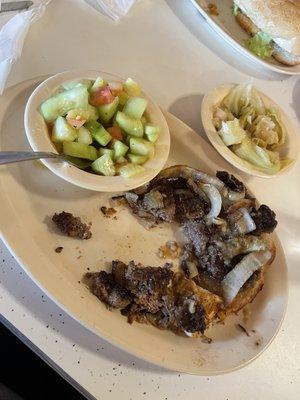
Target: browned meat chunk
[148,284]
[265,220]
[230,181]
[197,234]
[103,286]
[71,226]
[189,206]
[157,296]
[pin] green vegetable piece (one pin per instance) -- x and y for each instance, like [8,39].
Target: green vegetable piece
[135,159]
[235,9]
[110,152]
[264,160]
[104,165]
[261,45]
[99,133]
[98,84]
[79,162]
[135,107]
[84,136]
[123,97]
[121,160]
[80,150]
[63,102]
[119,148]
[131,126]
[107,111]
[130,170]
[152,132]
[62,131]
[231,132]
[141,147]
[81,82]
[132,88]
[89,114]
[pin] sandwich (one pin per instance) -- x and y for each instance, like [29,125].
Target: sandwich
[274,27]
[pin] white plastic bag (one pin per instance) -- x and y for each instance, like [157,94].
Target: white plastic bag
[115,9]
[13,29]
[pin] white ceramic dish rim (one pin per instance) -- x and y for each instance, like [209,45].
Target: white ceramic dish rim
[241,49]
[19,248]
[212,99]
[39,140]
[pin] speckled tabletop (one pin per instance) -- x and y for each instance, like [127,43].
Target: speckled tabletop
[177,59]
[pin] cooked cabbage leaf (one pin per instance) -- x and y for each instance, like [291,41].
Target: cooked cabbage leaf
[240,98]
[231,132]
[263,128]
[260,44]
[264,160]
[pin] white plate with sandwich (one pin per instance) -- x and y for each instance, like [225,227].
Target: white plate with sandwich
[264,31]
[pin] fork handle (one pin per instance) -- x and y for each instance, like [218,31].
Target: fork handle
[8,157]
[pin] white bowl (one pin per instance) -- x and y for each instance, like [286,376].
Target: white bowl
[38,137]
[289,149]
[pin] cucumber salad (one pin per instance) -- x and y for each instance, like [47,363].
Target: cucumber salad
[103,122]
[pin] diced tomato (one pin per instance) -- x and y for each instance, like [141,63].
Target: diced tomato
[77,122]
[115,132]
[102,96]
[115,88]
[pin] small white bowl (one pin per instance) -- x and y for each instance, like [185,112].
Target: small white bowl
[38,137]
[289,149]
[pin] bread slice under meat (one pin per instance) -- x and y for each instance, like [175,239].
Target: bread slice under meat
[281,55]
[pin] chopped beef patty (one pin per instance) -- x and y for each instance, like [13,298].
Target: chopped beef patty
[72,226]
[265,220]
[230,181]
[155,295]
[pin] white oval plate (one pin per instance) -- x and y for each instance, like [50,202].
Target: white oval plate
[228,29]
[38,137]
[30,194]
[289,150]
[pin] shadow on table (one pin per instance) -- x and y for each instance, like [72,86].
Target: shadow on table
[296,99]
[184,109]
[197,25]
[57,320]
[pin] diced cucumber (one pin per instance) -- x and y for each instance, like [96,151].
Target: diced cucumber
[104,166]
[130,170]
[152,132]
[81,82]
[107,111]
[99,133]
[123,97]
[98,84]
[131,126]
[63,102]
[119,148]
[89,114]
[121,160]
[79,162]
[110,152]
[80,150]
[62,131]
[135,107]
[135,159]
[141,147]
[132,88]
[84,136]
